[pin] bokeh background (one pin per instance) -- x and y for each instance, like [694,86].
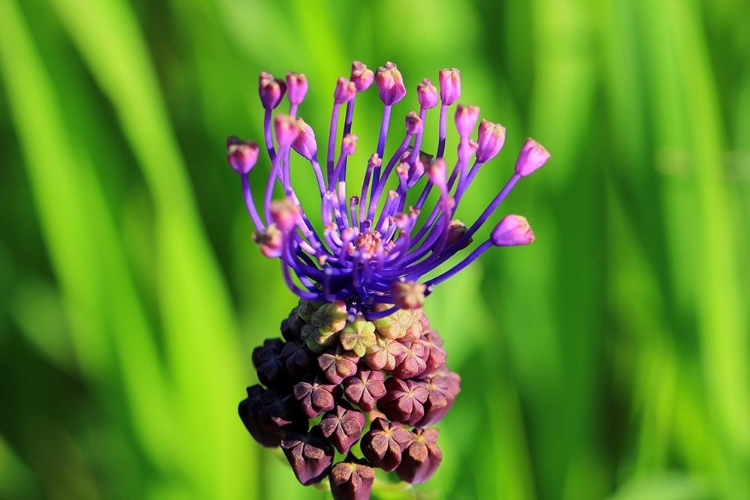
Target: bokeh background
[610,359]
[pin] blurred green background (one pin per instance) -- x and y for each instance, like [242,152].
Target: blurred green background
[610,359]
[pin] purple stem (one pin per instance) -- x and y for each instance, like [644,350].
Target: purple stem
[250,204]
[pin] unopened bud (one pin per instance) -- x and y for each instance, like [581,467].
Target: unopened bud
[456,231]
[427,94]
[242,155]
[351,480]
[305,143]
[285,214]
[414,124]
[490,140]
[408,294]
[345,91]
[269,240]
[349,144]
[296,84]
[271,90]
[286,130]
[532,156]
[390,84]
[361,76]
[466,119]
[450,85]
[436,172]
[513,230]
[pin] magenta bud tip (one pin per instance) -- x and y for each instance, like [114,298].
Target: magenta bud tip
[296,85]
[450,85]
[349,144]
[490,140]
[413,123]
[305,143]
[286,130]
[427,94]
[390,84]
[361,76]
[466,119]
[271,90]
[345,91]
[513,230]
[532,157]
[242,155]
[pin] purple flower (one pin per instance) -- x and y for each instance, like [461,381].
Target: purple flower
[374,250]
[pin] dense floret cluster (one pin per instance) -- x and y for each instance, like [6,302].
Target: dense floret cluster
[331,383]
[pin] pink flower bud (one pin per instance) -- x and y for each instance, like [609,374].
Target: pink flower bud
[532,156]
[436,172]
[345,91]
[466,119]
[374,161]
[413,123]
[286,130]
[305,143]
[490,141]
[390,84]
[513,230]
[285,214]
[242,155]
[450,85]
[427,94]
[269,240]
[361,76]
[271,90]
[349,144]
[296,84]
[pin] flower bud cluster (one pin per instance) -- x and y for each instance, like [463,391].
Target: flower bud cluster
[369,390]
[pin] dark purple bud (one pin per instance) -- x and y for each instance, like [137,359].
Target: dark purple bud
[358,336]
[270,241]
[271,90]
[365,388]
[298,359]
[309,455]
[450,85]
[421,458]
[249,411]
[279,413]
[305,143]
[361,76]
[382,355]
[408,294]
[513,230]
[307,308]
[403,401]
[411,362]
[390,84]
[466,119]
[296,84]
[338,366]
[413,123]
[242,155]
[532,157]
[384,444]
[351,480]
[316,395]
[345,91]
[269,362]
[427,94]
[286,130]
[435,355]
[342,427]
[490,140]
[442,393]
[447,381]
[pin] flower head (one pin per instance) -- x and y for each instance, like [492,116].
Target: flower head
[375,249]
